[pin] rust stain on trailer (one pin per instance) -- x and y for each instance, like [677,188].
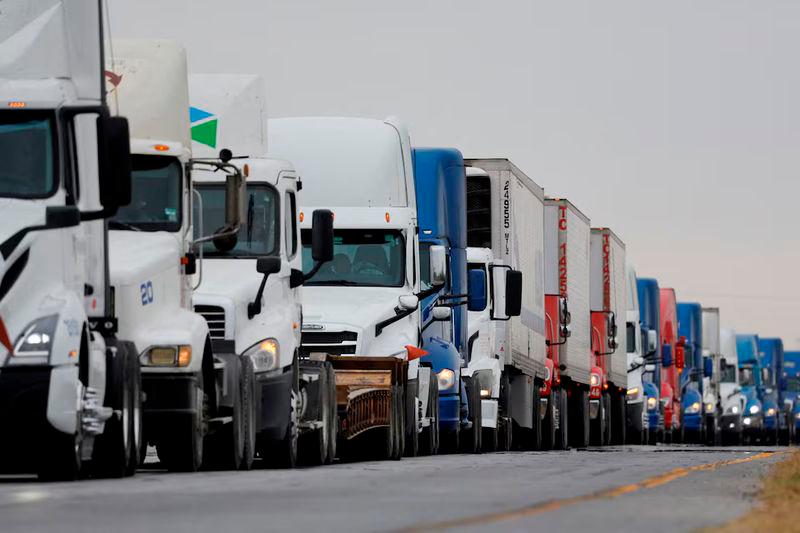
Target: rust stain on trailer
[552,505]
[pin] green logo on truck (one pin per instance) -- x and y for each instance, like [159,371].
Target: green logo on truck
[204,126]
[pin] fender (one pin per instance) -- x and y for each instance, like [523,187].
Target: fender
[175,327]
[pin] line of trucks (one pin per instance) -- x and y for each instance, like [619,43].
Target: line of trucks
[178,271]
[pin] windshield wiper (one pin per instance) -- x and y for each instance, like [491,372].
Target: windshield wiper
[116,224]
[335,282]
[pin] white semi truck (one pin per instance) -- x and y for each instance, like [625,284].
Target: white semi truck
[69,383]
[251,288]
[361,310]
[730,392]
[637,430]
[567,289]
[505,216]
[192,405]
[712,355]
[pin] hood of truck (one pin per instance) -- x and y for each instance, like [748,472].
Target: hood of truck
[16,215]
[138,255]
[236,279]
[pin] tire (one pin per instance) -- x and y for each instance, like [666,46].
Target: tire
[224,449]
[608,419]
[138,446]
[579,423]
[428,436]
[282,453]
[313,446]
[399,399]
[548,423]
[247,385]
[412,421]
[182,448]
[532,437]
[471,439]
[506,424]
[333,414]
[597,427]
[562,434]
[619,428]
[114,448]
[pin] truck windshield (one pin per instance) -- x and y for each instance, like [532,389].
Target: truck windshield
[792,384]
[727,373]
[746,377]
[369,258]
[631,338]
[28,155]
[258,235]
[155,195]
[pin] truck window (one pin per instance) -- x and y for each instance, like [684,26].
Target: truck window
[258,236]
[368,258]
[290,224]
[28,153]
[155,195]
[631,336]
[425,265]
[479,212]
[480,266]
[746,377]
[727,372]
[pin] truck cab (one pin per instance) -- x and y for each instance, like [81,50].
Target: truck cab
[690,329]
[711,362]
[790,389]
[733,400]
[635,412]
[751,384]
[672,356]
[649,309]
[770,351]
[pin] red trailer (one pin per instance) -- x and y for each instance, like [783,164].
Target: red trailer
[672,357]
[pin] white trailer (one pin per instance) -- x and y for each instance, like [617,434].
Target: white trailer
[608,305]
[250,289]
[361,310]
[505,214]
[637,423]
[192,407]
[566,275]
[69,384]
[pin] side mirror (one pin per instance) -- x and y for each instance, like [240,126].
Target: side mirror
[476,289]
[638,360]
[441,312]
[649,367]
[114,161]
[438,259]
[322,236]
[235,194]
[652,341]
[708,367]
[513,293]
[408,302]
[666,355]
[62,216]
[268,265]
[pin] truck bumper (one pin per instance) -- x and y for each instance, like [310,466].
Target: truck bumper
[23,416]
[771,423]
[449,415]
[654,420]
[693,422]
[273,397]
[168,396]
[634,417]
[731,423]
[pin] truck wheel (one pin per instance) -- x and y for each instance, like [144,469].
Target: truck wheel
[548,423]
[471,439]
[333,415]
[138,445]
[532,437]
[400,423]
[62,461]
[562,435]
[112,452]
[597,427]
[618,425]
[248,395]
[224,449]
[579,427]
[506,424]
[412,420]
[427,441]
[313,446]
[608,419]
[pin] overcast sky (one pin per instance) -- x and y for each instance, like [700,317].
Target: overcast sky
[677,124]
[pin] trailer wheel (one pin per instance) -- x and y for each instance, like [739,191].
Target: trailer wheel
[548,422]
[113,449]
[471,443]
[313,446]
[333,415]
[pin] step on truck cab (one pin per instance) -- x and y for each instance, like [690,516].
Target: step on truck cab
[362,308]
[672,360]
[711,359]
[191,395]
[751,384]
[607,304]
[690,330]
[771,353]
[250,290]
[69,381]
[637,421]
[505,213]
[650,310]
[566,276]
[790,389]
[731,395]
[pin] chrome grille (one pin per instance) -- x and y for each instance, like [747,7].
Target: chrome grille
[215,317]
[331,342]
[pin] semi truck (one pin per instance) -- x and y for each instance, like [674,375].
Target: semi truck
[751,386]
[732,397]
[649,309]
[362,309]
[770,350]
[566,266]
[69,380]
[505,212]
[192,409]
[637,422]
[607,303]
[790,388]
[711,356]
[672,359]
[690,332]
[250,286]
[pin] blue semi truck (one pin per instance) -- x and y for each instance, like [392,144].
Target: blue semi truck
[775,415]
[649,310]
[690,327]
[751,387]
[790,390]
[441,206]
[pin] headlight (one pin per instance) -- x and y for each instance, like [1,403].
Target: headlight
[754,409]
[634,391]
[652,403]
[447,378]
[265,355]
[36,340]
[693,409]
[771,411]
[167,356]
[594,380]
[710,408]
[485,393]
[746,421]
[547,373]
[733,409]
[797,416]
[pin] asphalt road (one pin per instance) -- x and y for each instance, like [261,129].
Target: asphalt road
[642,488]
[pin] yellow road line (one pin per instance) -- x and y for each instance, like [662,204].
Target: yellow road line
[552,505]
